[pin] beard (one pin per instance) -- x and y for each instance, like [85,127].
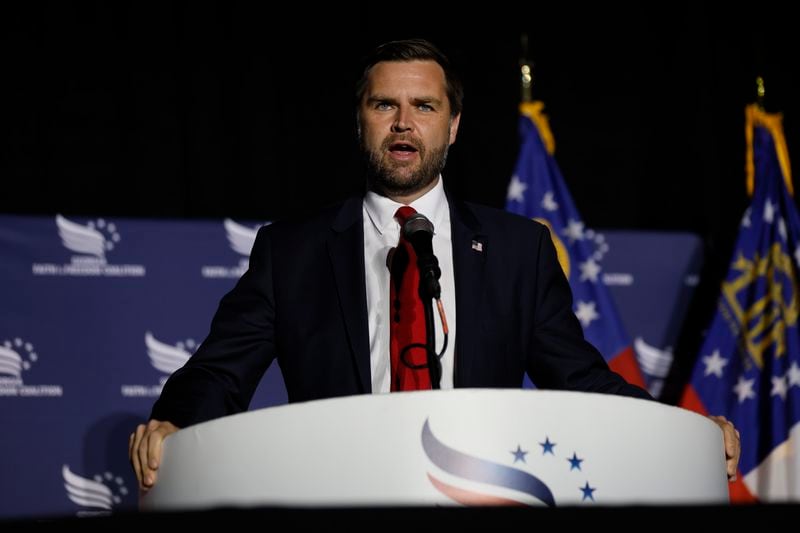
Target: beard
[393,178]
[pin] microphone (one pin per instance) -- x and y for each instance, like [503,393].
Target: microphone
[418,230]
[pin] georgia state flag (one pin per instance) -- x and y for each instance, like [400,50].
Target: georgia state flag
[749,366]
[538,191]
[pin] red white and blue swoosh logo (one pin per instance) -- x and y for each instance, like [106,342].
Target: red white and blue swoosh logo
[475,480]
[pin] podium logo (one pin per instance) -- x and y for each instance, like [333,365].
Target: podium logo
[166,358]
[18,356]
[240,239]
[96,496]
[534,475]
[89,243]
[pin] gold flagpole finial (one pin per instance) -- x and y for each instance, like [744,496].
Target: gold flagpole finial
[526,71]
[760,92]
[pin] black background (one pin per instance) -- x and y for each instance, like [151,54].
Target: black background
[197,110]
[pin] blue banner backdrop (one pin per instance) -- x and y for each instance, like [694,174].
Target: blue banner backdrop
[652,277]
[96,313]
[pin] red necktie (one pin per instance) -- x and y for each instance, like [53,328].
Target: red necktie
[407,343]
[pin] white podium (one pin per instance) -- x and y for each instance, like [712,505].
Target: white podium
[457,447]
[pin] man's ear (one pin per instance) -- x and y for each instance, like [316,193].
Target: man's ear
[454,122]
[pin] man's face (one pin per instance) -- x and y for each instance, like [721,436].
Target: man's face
[405,127]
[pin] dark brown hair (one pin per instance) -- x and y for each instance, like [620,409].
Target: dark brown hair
[411,50]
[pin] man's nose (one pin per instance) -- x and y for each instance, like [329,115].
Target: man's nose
[402,121]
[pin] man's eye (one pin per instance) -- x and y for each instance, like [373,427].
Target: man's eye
[425,107]
[383,106]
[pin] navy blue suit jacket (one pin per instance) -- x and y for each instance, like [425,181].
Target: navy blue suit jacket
[303,300]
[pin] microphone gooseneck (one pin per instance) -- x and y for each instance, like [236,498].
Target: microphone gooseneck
[418,230]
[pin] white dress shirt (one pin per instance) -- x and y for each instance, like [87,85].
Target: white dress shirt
[381,233]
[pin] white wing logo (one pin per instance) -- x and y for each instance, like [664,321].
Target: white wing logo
[10,362]
[81,239]
[86,492]
[654,361]
[241,238]
[163,356]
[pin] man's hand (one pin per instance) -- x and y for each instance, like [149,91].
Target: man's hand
[733,446]
[144,450]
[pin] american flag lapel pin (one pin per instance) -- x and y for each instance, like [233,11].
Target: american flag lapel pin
[477,246]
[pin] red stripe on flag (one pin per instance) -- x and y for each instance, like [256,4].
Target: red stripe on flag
[690,400]
[624,364]
[739,493]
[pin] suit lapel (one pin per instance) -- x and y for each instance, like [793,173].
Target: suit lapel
[346,251]
[469,259]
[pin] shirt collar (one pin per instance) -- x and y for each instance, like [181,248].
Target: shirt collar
[381,210]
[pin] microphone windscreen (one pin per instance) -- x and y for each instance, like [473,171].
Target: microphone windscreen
[417,222]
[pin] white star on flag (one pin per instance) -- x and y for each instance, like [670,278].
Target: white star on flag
[586,313]
[794,375]
[782,228]
[548,204]
[574,230]
[589,270]
[769,212]
[746,218]
[714,364]
[744,389]
[516,189]
[779,387]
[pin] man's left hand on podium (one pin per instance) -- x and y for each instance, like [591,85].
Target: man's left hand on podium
[733,446]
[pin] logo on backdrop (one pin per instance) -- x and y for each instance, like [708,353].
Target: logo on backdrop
[96,496]
[17,357]
[89,243]
[166,358]
[534,474]
[240,239]
[655,363]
